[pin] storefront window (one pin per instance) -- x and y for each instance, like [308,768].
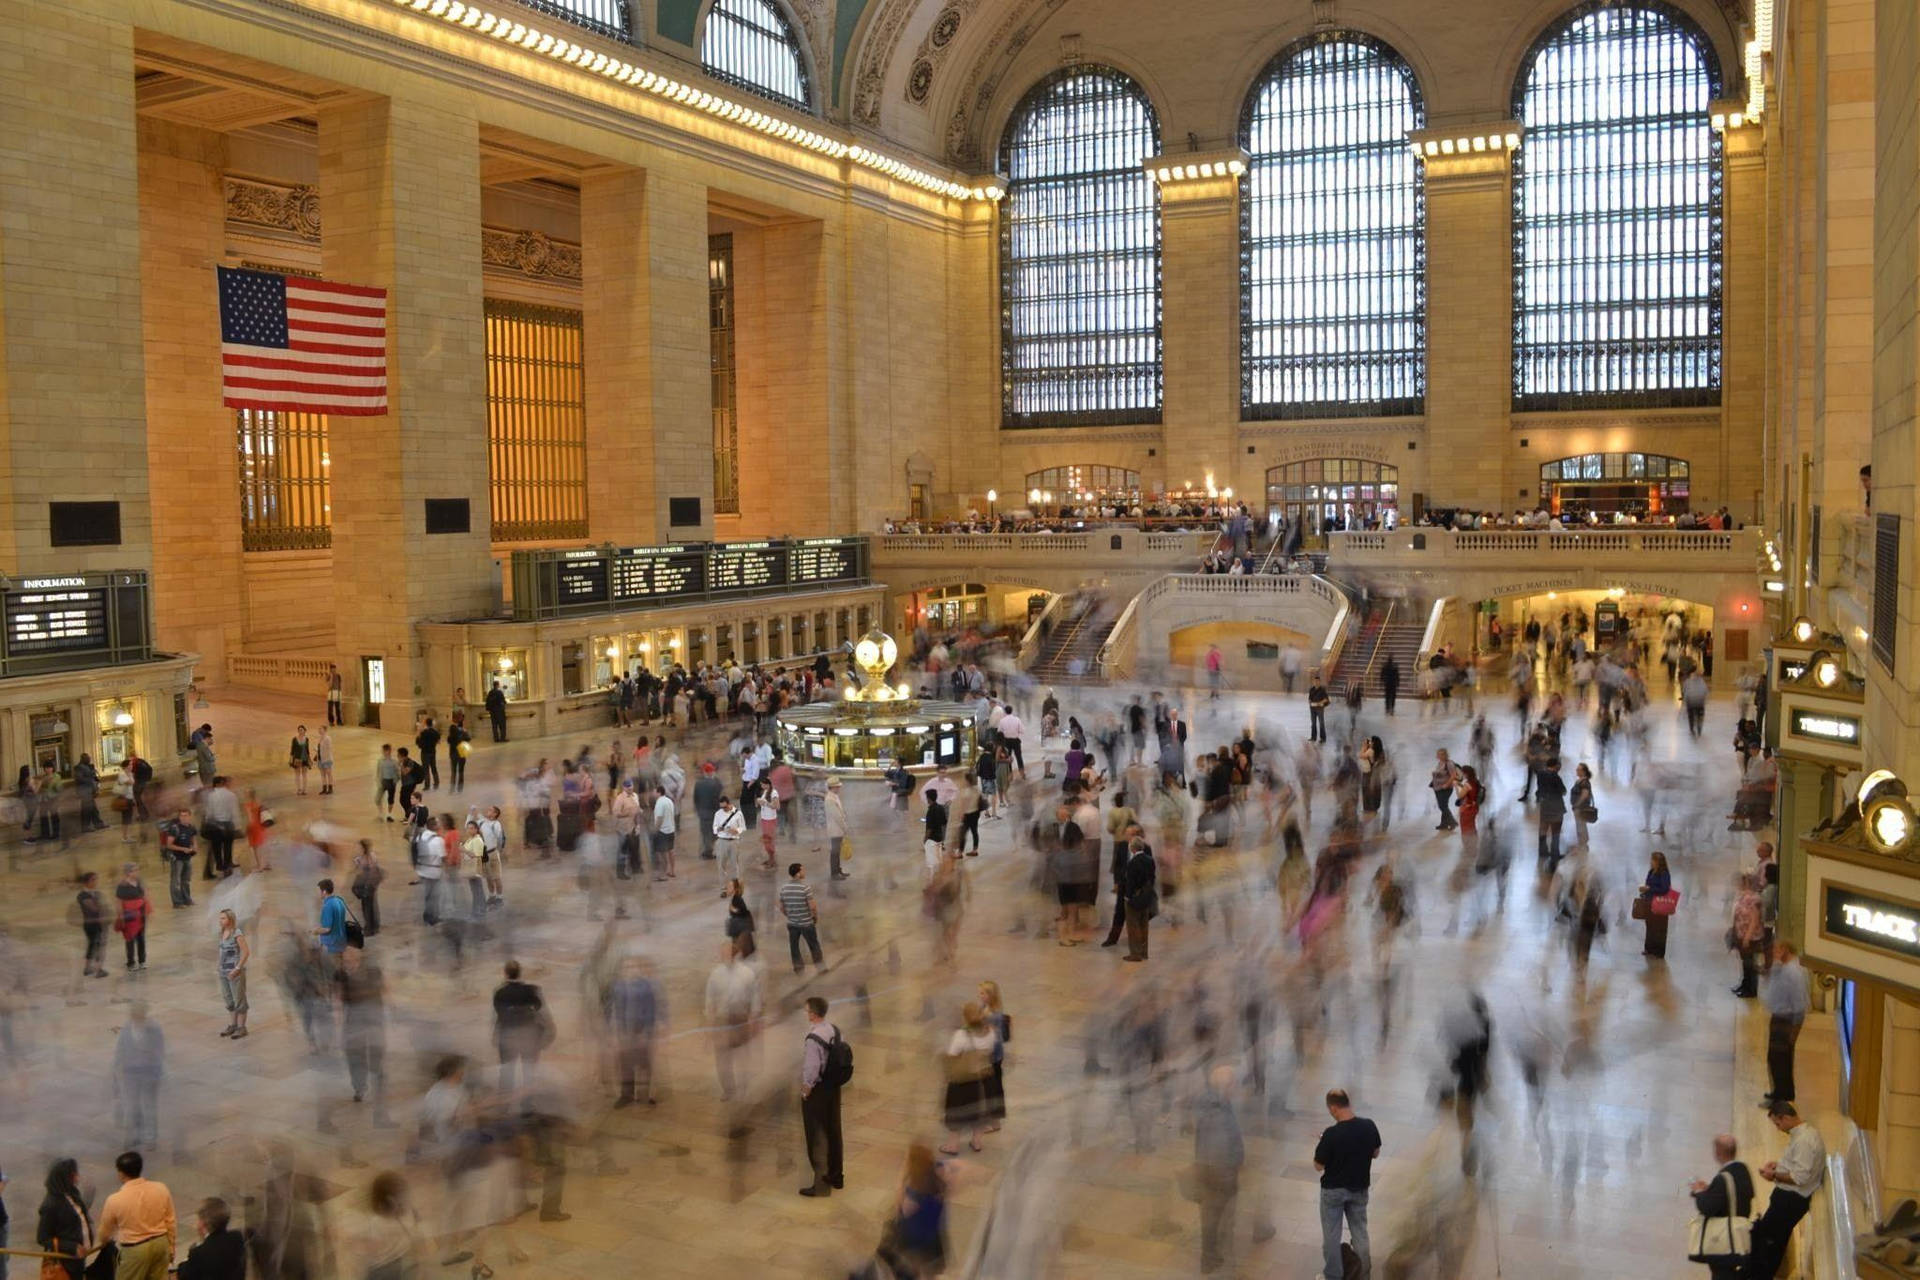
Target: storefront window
[116,723]
[52,741]
[606,661]
[509,667]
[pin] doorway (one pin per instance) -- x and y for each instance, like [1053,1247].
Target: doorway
[373,680]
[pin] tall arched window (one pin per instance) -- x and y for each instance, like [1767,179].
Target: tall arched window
[750,43]
[1333,235]
[1617,214]
[608,17]
[1080,254]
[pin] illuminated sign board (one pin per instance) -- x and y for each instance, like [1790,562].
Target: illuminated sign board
[49,621]
[1823,726]
[73,620]
[1872,921]
[600,579]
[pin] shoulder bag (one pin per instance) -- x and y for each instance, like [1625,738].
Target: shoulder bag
[1718,1238]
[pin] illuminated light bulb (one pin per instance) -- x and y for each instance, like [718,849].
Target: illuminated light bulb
[1236,167]
[1446,146]
[1433,148]
[1513,140]
[1479,144]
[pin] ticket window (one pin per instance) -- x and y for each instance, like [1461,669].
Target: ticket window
[865,618]
[639,652]
[842,627]
[699,648]
[822,637]
[52,735]
[797,635]
[573,668]
[750,643]
[116,723]
[723,643]
[509,667]
[667,649]
[776,639]
[606,661]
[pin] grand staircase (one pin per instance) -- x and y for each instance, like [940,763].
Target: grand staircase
[1070,652]
[1390,628]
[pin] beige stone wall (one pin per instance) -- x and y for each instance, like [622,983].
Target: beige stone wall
[72,392]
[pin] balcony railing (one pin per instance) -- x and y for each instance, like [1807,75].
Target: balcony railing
[1412,545]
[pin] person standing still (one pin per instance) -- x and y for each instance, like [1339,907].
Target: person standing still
[1344,1158]
[139,1219]
[428,741]
[803,915]
[1142,898]
[728,827]
[176,846]
[386,784]
[497,711]
[1317,700]
[1796,1175]
[836,831]
[1390,683]
[518,1018]
[335,712]
[820,1102]
[1727,1194]
[1787,1002]
[1442,781]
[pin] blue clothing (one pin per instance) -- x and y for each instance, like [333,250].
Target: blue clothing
[333,924]
[634,1006]
[1658,882]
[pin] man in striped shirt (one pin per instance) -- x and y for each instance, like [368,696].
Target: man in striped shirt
[803,914]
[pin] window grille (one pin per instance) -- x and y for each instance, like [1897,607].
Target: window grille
[1333,235]
[608,17]
[750,43]
[726,417]
[536,422]
[1080,254]
[284,464]
[1617,226]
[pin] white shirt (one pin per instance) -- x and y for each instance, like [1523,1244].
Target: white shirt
[664,815]
[728,824]
[1805,1161]
[433,856]
[1010,726]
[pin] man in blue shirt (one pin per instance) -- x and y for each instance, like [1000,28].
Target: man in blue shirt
[333,921]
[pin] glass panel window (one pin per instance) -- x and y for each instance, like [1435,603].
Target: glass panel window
[1617,208]
[726,417]
[750,43]
[536,423]
[1333,244]
[608,17]
[285,504]
[1080,254]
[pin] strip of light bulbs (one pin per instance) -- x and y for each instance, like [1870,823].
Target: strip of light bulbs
[1192,172]
[532,39]
[1468,145]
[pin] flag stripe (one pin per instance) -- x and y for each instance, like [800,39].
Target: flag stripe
[294,344]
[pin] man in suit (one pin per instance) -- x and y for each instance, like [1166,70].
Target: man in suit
[1141,898]
[1710,1198]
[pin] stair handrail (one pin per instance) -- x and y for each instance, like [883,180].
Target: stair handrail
[1030,642]
[1430,638]
[1379,642]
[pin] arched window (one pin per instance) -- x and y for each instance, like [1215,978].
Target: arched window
[608,17]
[1080,254]
[1617,214]
[750,43]
[1333,235]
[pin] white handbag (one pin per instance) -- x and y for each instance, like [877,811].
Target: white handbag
[1725,1236]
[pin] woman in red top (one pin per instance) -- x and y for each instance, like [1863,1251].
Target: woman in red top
[130,922]
[257,830]
[1467,800]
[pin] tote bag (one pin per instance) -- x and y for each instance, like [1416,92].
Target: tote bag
[1720,1237]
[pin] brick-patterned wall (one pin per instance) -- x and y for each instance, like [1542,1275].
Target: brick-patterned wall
[72,391]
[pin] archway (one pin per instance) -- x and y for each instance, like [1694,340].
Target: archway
[1086,482]
[1335,493]
[1606,484]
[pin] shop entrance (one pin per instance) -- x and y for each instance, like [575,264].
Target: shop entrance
[1641,485]
[1604,618]
[1331,494]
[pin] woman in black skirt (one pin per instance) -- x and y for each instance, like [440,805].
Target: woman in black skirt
[994,1099]
[969,1063]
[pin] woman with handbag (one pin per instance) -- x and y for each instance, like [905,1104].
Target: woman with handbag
[65,1226]
[1580,800]
[969,1061]
[1654,905]
[995,1108]
[300,759]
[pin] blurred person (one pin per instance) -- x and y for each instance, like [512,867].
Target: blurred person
[367,875]
[362,990]
[1796,1175]
[739,921]
[767,810]
[1744,935]
[1001,1021]
[733,1004]
[635,1011]
[64,1227]
[1470,1045]
[625,810]
[391,1240]
[257,817]
[915,1242]
[1787,1004]
[230,964]
[138,1219]
[90,913]
[836,829]
[1218,1154]
[221,1253]
[820,1102]
[945,898]
[522,1026]
[86,788]
[969,1065]
[472,869]
[221,822]
[1727,1194]
[1442,781]
[1344,1158]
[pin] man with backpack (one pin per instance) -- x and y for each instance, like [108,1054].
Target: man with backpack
[826,1066]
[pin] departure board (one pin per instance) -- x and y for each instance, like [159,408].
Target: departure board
[645,574]
[812,561]
[51,615]
[581,581]
[746,566]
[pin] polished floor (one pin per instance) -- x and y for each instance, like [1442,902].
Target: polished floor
[1582,1177]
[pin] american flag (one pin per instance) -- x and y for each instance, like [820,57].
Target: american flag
[299,345]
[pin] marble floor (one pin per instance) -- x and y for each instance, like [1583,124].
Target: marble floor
[1582,1178]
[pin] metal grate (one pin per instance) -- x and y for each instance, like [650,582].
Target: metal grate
[536,422]
[608,17]
[284,502]
[1080,254]
[750,43]
[1333,235]
[1886,587]
[726,409]
[1617,214]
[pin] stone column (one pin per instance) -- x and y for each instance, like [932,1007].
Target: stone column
[1200,321]
[400,183]
[72,389]
[648,356]
[1743,355]
[1470,333]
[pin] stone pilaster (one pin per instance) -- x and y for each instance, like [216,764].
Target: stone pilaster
[1200,321]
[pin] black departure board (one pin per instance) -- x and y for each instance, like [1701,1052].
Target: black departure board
[50,615]
[647,574]
[812,561]
[746,566]
[581,581]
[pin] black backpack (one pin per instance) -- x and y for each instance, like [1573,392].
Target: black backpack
[839,1068]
